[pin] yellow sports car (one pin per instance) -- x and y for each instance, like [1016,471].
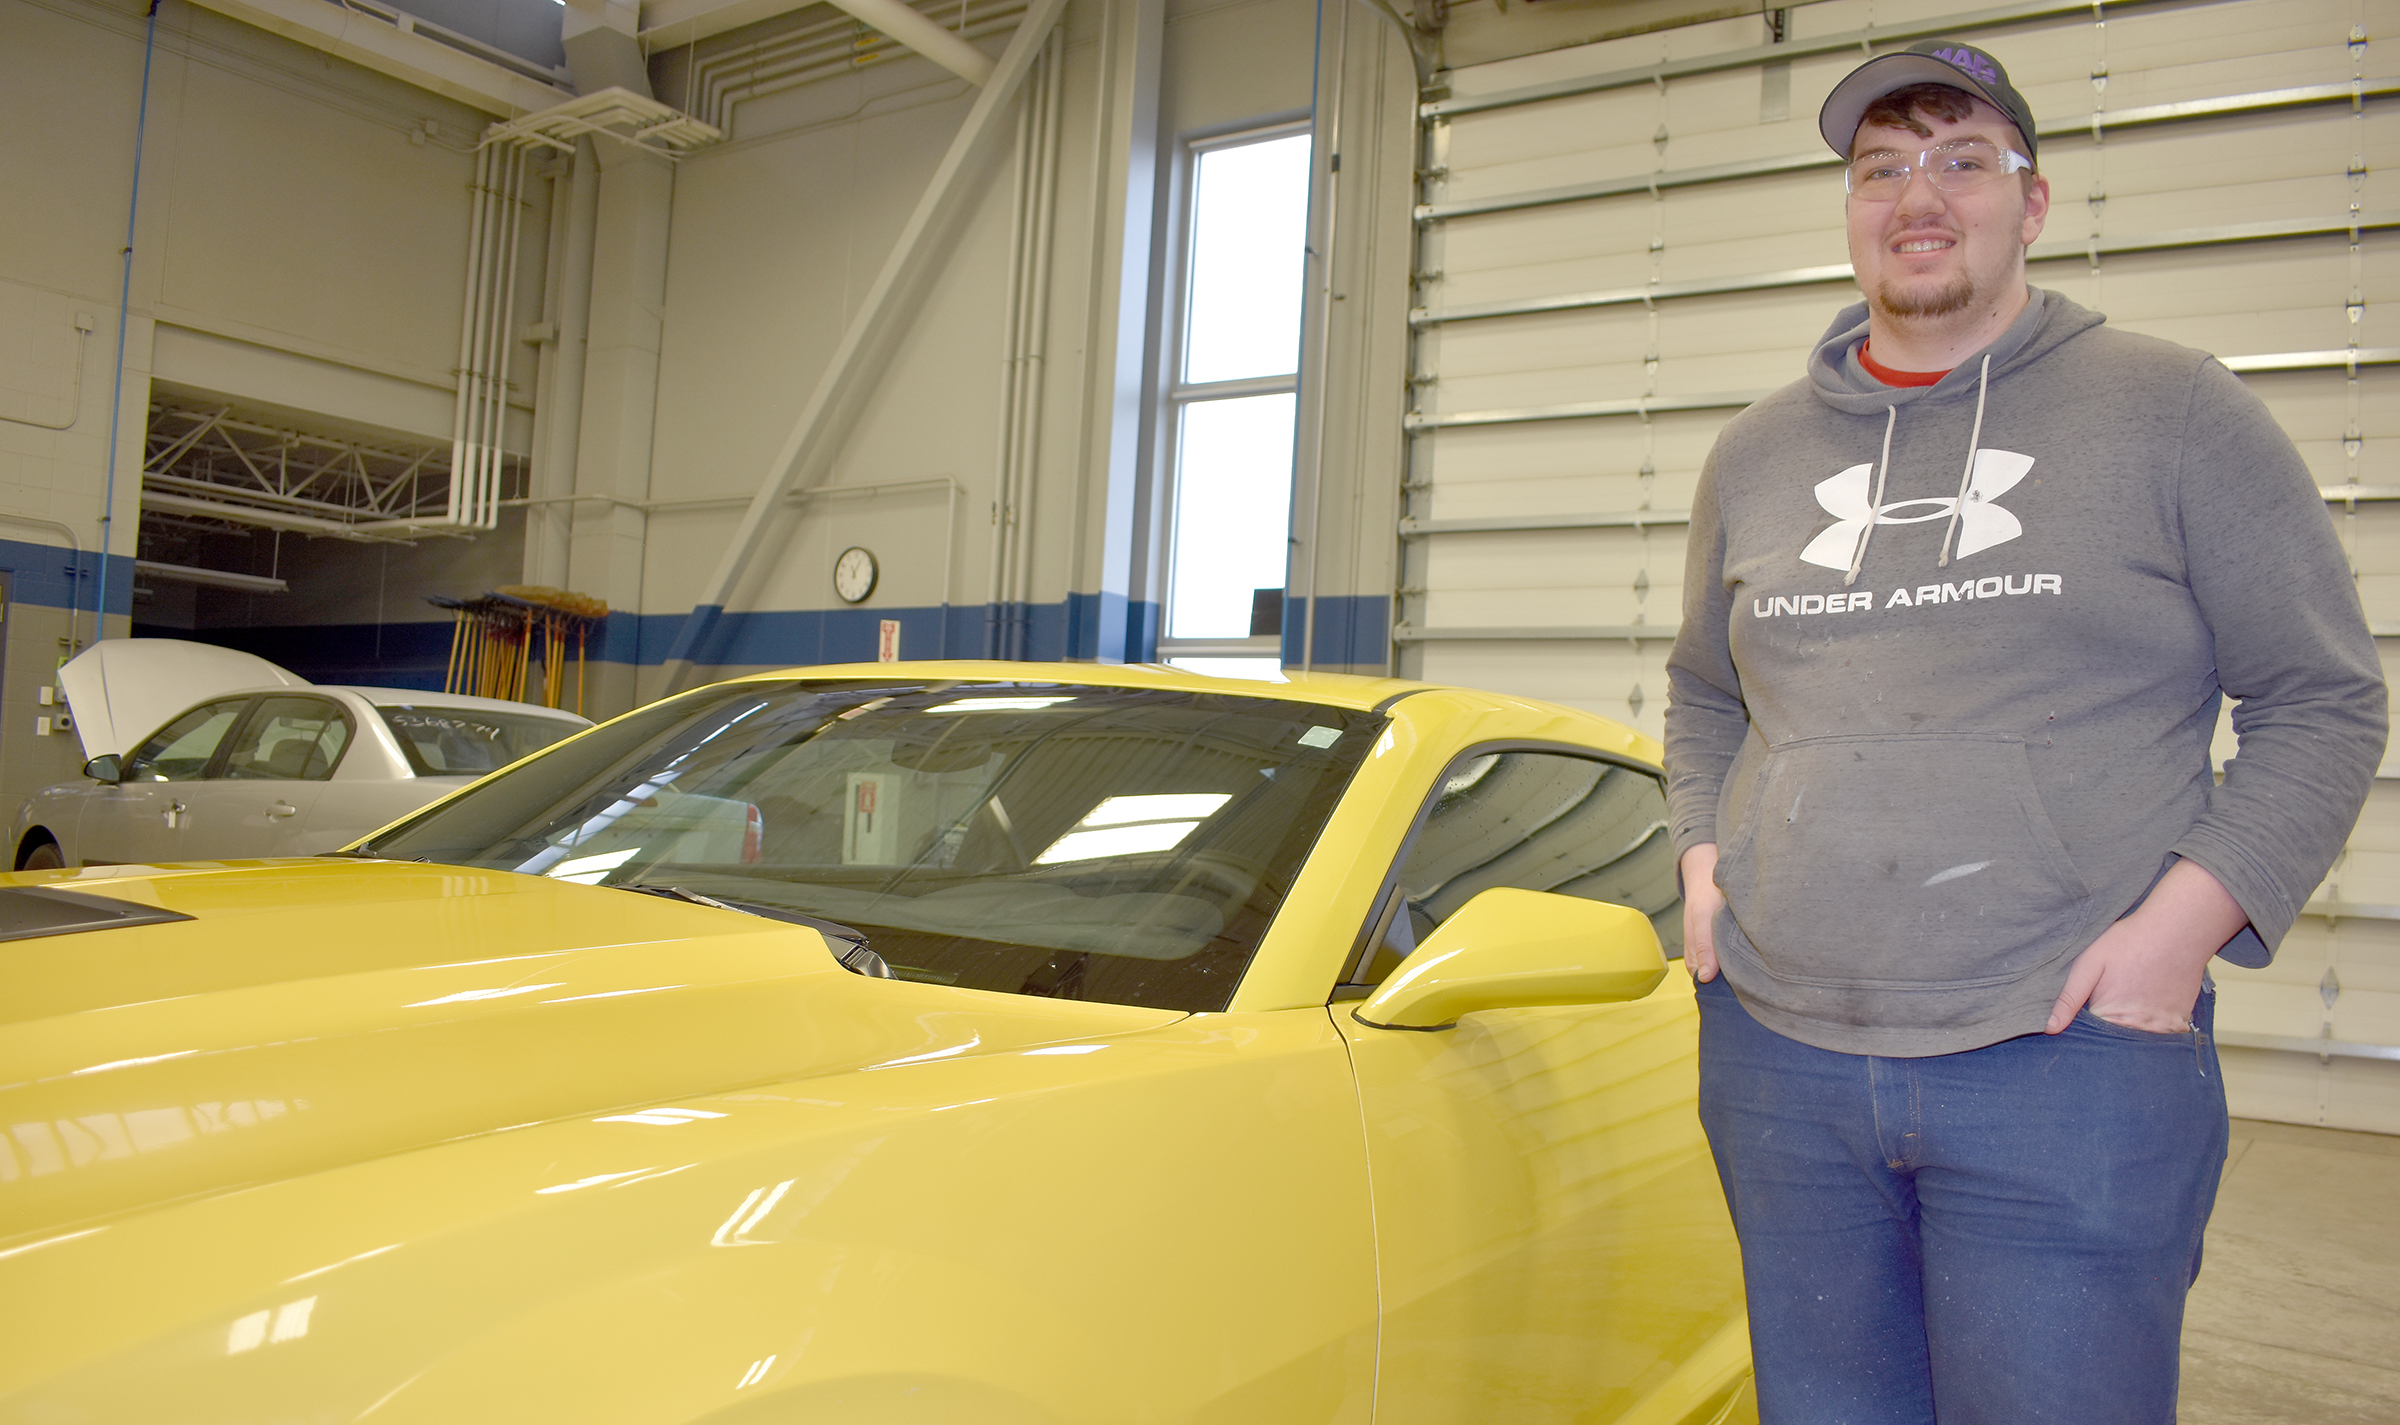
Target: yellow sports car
[969,1043]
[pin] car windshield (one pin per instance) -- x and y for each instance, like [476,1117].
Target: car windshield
[468,742]
[1128,845]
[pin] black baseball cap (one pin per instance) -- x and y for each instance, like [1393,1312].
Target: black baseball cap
[1961,66]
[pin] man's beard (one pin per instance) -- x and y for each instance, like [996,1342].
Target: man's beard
[1896,300]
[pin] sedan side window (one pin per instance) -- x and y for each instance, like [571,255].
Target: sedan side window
[1534,821]
[182,750]
[289,739]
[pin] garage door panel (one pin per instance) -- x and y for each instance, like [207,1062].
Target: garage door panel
[1542,252]
[1548,341]
[1600,492]
[1676,441]
[2312,403]
[2379,825]
[2328,458]
[1804,206]
[1715,260]
[1573,140]
[2310,277]
[1594,676]
[1543,386]
[1543,561]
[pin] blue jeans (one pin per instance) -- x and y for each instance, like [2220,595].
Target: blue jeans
[1996,1237]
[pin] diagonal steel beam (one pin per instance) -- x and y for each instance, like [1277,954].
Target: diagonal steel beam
[867,342]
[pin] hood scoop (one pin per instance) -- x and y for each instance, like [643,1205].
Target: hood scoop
[30,912]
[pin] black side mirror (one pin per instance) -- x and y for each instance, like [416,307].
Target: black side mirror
[104,768]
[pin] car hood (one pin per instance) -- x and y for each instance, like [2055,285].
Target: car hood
[249,1022]
[123,688]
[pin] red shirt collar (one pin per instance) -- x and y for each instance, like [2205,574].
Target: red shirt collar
[1891,377]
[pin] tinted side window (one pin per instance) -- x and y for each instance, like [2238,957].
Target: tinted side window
[289,739]
[1534,821]
[180,751]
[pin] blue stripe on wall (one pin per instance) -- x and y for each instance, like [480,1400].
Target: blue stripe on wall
[55,578]
[1351,629]
[1083,626]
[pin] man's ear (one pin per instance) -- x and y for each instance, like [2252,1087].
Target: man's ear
[2037,208]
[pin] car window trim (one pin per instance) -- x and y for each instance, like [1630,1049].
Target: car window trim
[1381,908]
[216,754]
[241,728]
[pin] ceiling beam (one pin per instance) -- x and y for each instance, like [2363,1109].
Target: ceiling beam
[666,23]
[366,38]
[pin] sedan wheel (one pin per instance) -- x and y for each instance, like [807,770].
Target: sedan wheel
[42,856]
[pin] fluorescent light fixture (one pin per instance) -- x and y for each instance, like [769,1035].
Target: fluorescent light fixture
[997,704]
[589,870]
[1134,825]
[1167,806]
[1116,841]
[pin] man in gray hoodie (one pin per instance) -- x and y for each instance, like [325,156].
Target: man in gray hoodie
[1959,612]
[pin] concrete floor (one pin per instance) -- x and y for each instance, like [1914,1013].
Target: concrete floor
[2296,1317]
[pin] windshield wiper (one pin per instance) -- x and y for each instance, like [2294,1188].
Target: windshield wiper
[853,953]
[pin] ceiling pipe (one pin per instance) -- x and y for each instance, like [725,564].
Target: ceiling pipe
[896,19]
[214,578]
[667,23]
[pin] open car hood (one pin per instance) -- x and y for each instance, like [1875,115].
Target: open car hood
[231,1025]
[121,689]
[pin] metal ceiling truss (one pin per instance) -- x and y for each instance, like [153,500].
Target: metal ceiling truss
[236,473]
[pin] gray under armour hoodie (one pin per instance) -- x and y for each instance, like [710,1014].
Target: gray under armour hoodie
[1950,664]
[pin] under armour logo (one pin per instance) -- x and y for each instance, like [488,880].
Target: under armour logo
[1976,64]
[1981,524]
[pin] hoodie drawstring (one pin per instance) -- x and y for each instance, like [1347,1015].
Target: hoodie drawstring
[1858,556]
[1966,477]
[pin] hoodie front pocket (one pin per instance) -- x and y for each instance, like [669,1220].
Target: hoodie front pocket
[1900,861]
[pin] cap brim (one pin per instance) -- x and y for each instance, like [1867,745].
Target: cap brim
[1847,104]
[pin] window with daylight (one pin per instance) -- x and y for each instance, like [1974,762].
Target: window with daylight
[1231,403]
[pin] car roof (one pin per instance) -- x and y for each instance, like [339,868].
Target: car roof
[1342,690]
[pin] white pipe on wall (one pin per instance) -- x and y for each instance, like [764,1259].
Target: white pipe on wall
[550,537]
[1030,389]
[486,334]
[504,344]
[1033,222]
[477,212]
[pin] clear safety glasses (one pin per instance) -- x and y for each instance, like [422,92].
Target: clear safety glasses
[1958,167]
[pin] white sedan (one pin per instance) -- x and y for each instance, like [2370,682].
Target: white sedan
[264,764]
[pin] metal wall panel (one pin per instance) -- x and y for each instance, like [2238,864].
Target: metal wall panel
[2251,222]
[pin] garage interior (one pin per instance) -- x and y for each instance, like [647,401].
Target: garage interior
[313,314]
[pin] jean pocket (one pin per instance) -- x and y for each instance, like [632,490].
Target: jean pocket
[2109,1028]
[1883,861]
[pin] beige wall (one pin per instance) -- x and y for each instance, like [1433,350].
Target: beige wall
[300,251]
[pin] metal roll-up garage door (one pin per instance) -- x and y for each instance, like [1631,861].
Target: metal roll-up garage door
[1621,244]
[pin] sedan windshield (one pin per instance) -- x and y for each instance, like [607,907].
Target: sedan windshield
[1118,844]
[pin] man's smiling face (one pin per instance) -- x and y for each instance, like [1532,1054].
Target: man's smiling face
[1930,258]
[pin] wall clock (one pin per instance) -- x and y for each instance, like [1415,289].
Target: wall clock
[854,575]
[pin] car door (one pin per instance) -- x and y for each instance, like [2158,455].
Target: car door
[139,818]
[273,768]
[1551,1239]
